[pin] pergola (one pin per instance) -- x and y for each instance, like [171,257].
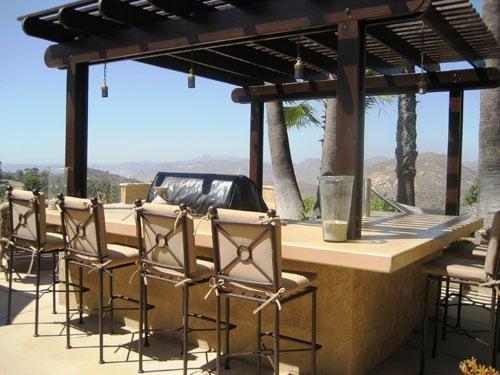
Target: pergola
[254,44]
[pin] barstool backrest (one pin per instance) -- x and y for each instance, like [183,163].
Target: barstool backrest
[247,248]
[84,226]
[167,238]
[492,261]
[27,215]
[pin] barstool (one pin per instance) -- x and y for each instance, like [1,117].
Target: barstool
[86,247]
[247,253]
[168,254]
[28,234]
[466,271]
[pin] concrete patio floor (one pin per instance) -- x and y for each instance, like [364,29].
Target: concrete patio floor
[21,353]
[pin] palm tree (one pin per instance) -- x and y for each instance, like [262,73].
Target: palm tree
[406,145]
[288,199]
[489,129]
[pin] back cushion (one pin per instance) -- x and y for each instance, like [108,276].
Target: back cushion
[84,233]
[24,217]
[246,247]
[162,243]
[491,264]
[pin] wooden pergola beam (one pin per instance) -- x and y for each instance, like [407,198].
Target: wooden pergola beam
[47,30]
[440,25]
[264,19]
[466,79]
[392,40]
[256,166]
[182,8]
[127,14]
[86,23]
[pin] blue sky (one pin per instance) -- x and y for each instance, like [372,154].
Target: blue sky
[151,115]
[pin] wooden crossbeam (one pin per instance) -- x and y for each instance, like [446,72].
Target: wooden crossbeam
[289,48]
[86,23]
[47,30]
[452,37]
[183,65]
[182,8]
[127,14]
[229,64]
[466,79]
[330,41]
[392,40]
[262,20]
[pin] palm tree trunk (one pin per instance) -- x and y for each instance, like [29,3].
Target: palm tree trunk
[288,200]
[329,138]
[406,148]
[489,129]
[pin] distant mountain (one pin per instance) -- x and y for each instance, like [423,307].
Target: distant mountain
[430,180]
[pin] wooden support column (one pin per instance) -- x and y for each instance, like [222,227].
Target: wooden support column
[454,167]
[351,114]
[257,143]
[77,128]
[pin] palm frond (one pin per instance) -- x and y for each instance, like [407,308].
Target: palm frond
[301,115]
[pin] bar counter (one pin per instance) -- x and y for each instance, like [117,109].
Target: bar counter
[370,291]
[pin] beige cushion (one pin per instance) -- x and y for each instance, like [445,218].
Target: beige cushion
[21,204]
[204,269]
[293,282]
[465,269]
[54,242]
[492,261]
[117,254]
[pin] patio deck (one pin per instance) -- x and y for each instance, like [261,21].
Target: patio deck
[48,355]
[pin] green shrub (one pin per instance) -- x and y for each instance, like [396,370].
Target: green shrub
[309,203]
[472,194]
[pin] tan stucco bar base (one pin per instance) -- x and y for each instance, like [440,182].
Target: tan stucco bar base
[370,292]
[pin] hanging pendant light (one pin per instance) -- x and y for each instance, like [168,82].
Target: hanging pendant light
[298,68]
[422,83]
[104,88]
[191,76]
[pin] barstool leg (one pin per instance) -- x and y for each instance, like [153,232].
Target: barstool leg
[445,317]
[185,327]
[66,296]
[459,306]
[493,329]
[436,314]
[101,313]
[276,339]
[313,332]
[141,319]
[80,295]
[111,312]
[218,335]
[10,264]
[424,328]
[258,332]
[37,293]
[54,282]
[226,338]
[146,312]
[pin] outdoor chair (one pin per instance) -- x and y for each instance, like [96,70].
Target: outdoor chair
[86,247]
[466,271]
[168,254]
[247,253]
[28,235]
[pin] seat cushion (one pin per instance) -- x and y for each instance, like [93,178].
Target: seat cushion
[465,269]
[204,270]
[54,242]
[293,282]
[120,254]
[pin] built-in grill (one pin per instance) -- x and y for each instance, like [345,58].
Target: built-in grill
[199,191]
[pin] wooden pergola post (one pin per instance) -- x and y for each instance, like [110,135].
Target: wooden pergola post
[454,160]
[350,114]
[77,87]
[256,143]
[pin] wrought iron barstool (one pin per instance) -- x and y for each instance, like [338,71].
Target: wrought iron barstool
[247,253]
[86,247]
[467,271]
[168,254]
[28,234]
